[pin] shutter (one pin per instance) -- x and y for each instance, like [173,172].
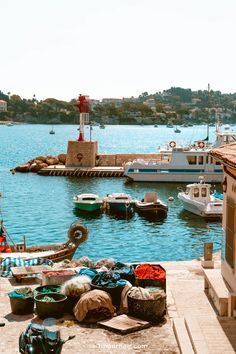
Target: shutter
[230,231]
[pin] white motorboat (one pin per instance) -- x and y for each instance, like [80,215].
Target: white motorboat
[198,200]
[181,163]
[119,202]
[151,206]
[88,202]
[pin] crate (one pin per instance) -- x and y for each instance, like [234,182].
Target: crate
[57,277]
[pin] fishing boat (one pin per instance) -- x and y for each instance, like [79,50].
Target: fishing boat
[197,199]
[150,205]
[88,202]
[119,202]
[102,126]
[177,130]
[181,163]
[77,234]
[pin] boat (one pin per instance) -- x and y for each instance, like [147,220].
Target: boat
[102,126]
[169,125]
[77,234]
[10,124]
[155,126]
[177,130]
[150,205]
[119,202]
[88,202]
[181,163]
[52,131]
[197,199]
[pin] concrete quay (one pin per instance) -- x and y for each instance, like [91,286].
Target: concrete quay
[189,314]
[100,171]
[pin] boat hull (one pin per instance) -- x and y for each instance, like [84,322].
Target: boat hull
[88,207]
[119,207]
[200,212]
[172,177]
[159,211]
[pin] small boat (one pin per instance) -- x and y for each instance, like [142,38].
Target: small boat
[88,202]
[102,126]
[169,125]
[52,131]
[77,234]
[151,206]
[177,130]
[198,200]
[119,202]
[10,124]
[155,126]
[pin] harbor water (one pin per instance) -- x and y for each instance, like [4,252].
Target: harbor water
[41,207]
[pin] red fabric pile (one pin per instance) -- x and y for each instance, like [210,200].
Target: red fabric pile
[149,271]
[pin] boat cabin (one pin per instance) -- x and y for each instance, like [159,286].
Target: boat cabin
[198,190]
[227,156]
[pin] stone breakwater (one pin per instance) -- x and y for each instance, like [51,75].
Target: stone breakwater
[40,162]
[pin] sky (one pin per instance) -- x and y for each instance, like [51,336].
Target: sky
[116,48]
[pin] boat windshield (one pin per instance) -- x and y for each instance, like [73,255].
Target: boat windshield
[119,198]
[89,198]
[187,190]
[196,192]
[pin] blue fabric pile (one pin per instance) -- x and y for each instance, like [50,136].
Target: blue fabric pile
[9,262]
[108,280]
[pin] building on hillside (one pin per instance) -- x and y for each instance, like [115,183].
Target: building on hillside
[116,101]
[130,99]
[3,106]
[151,104]
[226,154]
[94,103]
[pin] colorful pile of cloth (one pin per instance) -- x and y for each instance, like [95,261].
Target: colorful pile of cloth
[149,271]
[108,280]
[21,293]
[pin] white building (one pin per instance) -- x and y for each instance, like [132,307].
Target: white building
[116,101]
[3,106]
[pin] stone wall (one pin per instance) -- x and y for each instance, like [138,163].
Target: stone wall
[81,153]
[119,159]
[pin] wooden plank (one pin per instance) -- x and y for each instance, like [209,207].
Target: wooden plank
[124,324]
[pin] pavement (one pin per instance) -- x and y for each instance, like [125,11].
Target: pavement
[186,299]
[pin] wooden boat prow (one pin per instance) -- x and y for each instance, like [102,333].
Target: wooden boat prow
[77,234]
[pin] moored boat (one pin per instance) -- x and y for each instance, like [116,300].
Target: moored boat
[181,163]
[197,199]
[77,234]
[151,206]
[88,202]
[119,202]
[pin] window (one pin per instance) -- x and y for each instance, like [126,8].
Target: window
[230,231]
[192,160]
[200,160]
[196,192]
[204,192]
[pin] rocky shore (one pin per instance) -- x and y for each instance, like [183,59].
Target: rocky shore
[40,162]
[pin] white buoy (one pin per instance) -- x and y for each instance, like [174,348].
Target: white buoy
[171,199]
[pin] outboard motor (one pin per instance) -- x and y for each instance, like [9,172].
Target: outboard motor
[37,339]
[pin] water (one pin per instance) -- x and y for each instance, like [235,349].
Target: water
[41,207]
